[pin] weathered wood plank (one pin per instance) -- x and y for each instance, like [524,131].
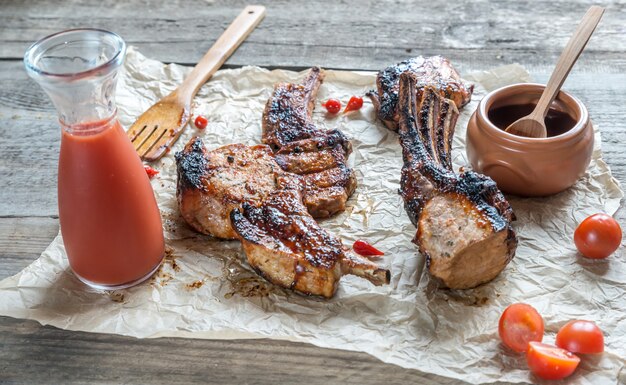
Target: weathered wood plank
[337,34]
[33,354]
[22,240]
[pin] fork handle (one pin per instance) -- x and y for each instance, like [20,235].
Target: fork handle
[225,45]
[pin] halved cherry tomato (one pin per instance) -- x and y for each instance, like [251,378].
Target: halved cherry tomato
[520,324]
[580,337]
[332,106]
[355,103]
[201,122]
[550,362]
[150,171]
[364,248]
[598,236]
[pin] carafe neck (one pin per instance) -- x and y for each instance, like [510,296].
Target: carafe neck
[78,70]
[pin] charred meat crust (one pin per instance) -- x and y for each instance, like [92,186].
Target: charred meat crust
[242,193]
[315,154]
[191,165]
[287,116]
[434,71]
[333,139]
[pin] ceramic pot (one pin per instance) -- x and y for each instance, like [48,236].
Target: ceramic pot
[529,166]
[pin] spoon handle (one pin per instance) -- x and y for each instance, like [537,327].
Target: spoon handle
[568,57]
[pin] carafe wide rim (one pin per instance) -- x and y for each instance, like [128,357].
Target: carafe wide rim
[34,51]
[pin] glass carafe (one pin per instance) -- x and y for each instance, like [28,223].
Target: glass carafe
[110,222]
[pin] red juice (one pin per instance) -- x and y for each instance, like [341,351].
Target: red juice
[110,220]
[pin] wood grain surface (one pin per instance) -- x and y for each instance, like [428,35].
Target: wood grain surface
[295,34]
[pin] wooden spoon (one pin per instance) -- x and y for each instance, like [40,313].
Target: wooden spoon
[156,130]
[533,125]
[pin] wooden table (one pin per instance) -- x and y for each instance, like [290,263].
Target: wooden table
[343,34]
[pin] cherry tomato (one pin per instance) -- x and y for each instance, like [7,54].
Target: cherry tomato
[355,103]
[201,122]
[520,324]
[150,171]
[580,337]
[364,248]
[332,106]
[550,362]
[598,236]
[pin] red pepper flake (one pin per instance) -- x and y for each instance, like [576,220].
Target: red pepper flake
[201,122]
[332,106]
[150,171]
[355,103]
[365,249]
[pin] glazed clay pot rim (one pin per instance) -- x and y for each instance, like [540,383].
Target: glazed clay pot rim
[564,138]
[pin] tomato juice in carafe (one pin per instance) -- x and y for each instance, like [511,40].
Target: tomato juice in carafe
[110,221]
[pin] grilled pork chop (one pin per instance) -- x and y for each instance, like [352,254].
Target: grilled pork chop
[463,221]
[267,196]
[434,71]
[319,156]
[284,244]
[212,183]
[241,192]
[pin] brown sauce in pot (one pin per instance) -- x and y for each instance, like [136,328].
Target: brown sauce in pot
[557,122]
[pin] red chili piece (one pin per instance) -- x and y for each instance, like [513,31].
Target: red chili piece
[332,106]
[364,248]
[150,171]
[201,122]
[355,103]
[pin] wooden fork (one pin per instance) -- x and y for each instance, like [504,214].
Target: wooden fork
[156,130]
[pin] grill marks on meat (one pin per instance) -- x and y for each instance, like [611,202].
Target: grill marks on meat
[434,71]
[463,221]
[287,115]
[284,244]
[300,147]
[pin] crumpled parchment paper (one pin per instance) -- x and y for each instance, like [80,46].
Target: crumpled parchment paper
[205,290]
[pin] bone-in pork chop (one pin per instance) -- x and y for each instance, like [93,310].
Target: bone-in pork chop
[320,156]
[241,192]
[284,244]
[267,196]
[212,183]
[463,221]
